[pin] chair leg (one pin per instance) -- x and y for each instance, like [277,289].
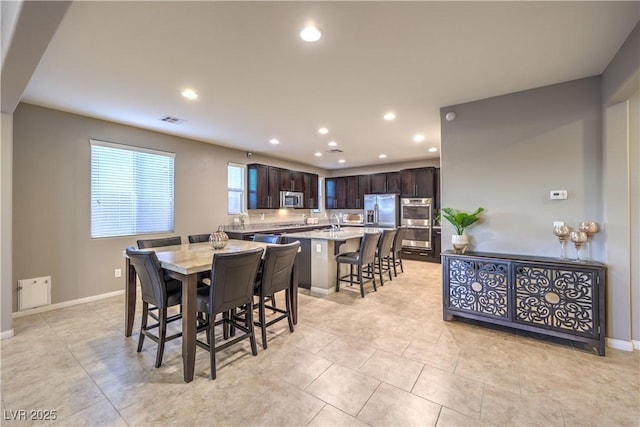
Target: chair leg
[212,346]
[373,276]
[143,324]
[379,270]
[350,274]
[273,302]
[162,333]
[401,267]
[337,277]
[393,259]
[388,259]
[360,280]
[288,297]
[262,320]
[252,334]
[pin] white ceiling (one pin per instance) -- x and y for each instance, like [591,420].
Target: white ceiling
[127,62]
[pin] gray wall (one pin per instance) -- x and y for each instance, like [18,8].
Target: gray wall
[51,216]
[6,157]
[622,75]
[506,153]
[621,191]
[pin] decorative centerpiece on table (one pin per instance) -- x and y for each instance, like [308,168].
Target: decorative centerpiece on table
[219,239]
[460,220]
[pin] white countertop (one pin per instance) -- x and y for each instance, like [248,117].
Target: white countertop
[344,234]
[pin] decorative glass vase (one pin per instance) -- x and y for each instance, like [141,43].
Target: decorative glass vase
[591,228]
[562,233]
[219,239]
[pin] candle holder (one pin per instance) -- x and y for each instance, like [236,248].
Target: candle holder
[578,238]
[562,233]
[590,228]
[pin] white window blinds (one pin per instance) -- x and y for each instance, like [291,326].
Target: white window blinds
[235,188]
[132,190]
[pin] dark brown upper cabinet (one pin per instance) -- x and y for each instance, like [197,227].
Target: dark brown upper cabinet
[419,182]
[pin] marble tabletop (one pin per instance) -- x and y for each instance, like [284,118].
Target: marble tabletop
[190,258]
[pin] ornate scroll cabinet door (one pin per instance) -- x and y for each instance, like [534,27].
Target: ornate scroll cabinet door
[477,288]
[562,298]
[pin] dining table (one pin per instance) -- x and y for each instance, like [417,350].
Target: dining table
[184,262]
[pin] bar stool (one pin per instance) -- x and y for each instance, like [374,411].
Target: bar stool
[364,259]
[383,253]
[396,250]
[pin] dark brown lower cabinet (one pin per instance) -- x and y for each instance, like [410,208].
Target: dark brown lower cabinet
[563,299]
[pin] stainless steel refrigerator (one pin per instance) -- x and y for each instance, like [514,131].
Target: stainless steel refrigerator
[382,210]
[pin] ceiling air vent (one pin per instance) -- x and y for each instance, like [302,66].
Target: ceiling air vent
[334,150]
[174,120]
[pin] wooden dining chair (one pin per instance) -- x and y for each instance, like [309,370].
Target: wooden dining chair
[233,278]
[276,276]
[157,293]
[199,238]
[156,243]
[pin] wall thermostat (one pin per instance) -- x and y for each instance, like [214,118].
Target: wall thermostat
[558,194]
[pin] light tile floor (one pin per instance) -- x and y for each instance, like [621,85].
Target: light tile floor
[387,359]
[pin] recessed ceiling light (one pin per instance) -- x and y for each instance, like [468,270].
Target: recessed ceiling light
[310,33]
[189,94]
[382,156]
[318,154]
[323,131]
[332,143]
[274,141]
[389,116]
[433,149]
[341,161]
[418,138]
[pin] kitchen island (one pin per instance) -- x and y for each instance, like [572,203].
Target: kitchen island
[317,258]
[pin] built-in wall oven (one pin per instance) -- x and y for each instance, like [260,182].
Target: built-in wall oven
[415,215]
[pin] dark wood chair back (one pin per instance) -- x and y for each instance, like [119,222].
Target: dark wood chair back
[397,240]
[156,243]
[233,277]
[368,246]
[150,274]
[267,238]
[277,268]
[386,242]
[199,238]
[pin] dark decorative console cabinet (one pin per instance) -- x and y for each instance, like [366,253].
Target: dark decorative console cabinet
[564,299]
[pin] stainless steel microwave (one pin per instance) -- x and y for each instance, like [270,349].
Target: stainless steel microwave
[291,199]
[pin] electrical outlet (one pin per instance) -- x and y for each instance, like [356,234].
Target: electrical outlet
[318,248]
[117,272]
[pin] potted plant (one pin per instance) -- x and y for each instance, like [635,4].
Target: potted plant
[460,220]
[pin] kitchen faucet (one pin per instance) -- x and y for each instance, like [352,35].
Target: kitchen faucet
[335,226]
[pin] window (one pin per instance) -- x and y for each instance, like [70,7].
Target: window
[235,188]
[132,190]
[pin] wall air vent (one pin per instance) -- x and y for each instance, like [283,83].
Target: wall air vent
[174,120]
[334,150]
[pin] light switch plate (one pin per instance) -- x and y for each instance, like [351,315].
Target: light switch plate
[318,248]
[558,194]
[558,223]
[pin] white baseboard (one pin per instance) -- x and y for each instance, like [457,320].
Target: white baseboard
[620,344]
[6,334]
[636,345]
[66,304]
